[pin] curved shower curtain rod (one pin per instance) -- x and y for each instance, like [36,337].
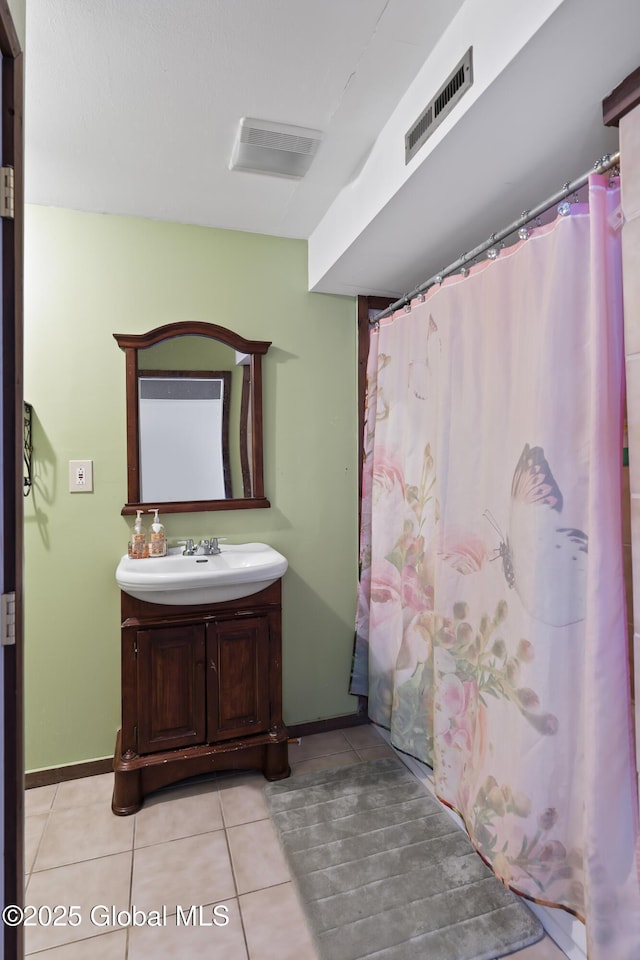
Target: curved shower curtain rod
[605,163]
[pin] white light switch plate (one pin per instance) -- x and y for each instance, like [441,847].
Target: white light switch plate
[80,476]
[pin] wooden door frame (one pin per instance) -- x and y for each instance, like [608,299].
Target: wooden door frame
[13,432]
[365,305]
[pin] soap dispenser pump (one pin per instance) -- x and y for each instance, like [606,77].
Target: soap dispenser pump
[157,540]
[138,548]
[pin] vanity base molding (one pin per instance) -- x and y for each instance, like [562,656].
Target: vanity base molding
[201,692]
[137,778]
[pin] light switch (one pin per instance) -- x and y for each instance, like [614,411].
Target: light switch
[80,476]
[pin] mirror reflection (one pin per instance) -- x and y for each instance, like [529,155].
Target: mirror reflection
[184,434]
[194,418]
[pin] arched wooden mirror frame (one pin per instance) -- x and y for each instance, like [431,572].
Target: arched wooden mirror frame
[251,416]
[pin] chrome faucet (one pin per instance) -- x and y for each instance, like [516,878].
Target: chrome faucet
[189,549]
[210,547]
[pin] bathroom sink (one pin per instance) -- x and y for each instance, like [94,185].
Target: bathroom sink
[238,571]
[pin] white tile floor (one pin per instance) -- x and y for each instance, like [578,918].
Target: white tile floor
[204,844]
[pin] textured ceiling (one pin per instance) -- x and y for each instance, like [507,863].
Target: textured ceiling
[133,107]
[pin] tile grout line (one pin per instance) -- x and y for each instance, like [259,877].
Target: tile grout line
[133,856]
[188,836]
[39,844]
[233,872]
[69,943]
[233,876]
[347,748]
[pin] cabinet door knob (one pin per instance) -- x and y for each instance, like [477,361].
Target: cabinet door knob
[212,664]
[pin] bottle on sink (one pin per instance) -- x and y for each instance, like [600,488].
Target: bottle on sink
[157,538]
[138,547]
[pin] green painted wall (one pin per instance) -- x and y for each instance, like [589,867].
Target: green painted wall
[19,15]
[88,276]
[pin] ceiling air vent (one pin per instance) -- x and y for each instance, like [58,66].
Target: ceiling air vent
[278,149]
[442,104]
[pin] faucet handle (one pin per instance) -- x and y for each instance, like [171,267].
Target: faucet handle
[214,545]
[189,548]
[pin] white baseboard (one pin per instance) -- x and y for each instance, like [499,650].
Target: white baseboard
[566,931]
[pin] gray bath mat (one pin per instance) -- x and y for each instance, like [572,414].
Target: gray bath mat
[384,872]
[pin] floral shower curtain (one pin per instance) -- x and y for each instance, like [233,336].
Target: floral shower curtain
[491,636]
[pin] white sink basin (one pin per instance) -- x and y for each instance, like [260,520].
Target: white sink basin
[238,571]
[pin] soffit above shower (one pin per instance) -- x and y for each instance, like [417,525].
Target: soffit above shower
[517,135]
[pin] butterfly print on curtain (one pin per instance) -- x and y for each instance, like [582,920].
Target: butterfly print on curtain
[543,561]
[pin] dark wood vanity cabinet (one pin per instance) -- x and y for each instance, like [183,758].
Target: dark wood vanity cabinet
[170,685]
[238,665]
[201,691]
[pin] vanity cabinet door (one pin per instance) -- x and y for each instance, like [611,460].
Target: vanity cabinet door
[171,687]
[237,678]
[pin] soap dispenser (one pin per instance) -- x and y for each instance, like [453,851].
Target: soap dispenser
[157,540]
[138,547]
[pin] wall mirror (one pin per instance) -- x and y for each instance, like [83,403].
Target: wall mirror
[194,419]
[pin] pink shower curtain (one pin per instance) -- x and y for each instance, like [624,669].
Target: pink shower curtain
[491,635]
